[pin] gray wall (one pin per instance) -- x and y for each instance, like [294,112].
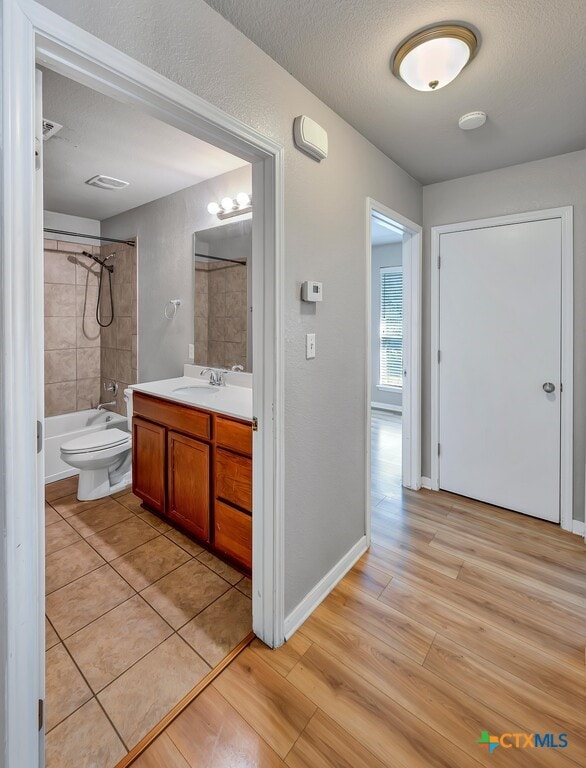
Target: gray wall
[164,231]
[550,183]
[382,256]
[325,221]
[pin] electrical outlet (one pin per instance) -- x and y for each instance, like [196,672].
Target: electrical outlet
[309,346]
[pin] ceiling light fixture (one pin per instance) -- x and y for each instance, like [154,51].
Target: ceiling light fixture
[429,60]
[229,207]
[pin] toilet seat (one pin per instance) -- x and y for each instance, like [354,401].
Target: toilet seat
[96,441]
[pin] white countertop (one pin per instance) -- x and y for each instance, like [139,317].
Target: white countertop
[231,400]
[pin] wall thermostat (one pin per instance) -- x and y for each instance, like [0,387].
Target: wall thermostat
[311,291]
[310,137]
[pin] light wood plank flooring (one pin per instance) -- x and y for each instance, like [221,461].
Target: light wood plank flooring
[461,618]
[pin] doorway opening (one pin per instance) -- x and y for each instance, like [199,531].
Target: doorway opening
[393,355]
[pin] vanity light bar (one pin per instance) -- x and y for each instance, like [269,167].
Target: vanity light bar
[229,207]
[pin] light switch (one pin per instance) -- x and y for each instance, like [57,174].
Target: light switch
[309,346]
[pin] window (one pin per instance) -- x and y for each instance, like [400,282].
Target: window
[391,327]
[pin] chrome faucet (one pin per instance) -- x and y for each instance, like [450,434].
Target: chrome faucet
[216,376]
[103,406]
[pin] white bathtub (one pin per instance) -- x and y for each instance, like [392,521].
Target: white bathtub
[60,429]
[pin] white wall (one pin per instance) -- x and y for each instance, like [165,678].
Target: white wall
[325,220]
[382,256]
[164,229]
[556,181]
[68,223]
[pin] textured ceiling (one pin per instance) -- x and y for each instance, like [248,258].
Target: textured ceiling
[103,136]
[529,75]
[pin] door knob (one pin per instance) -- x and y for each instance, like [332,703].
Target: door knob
[549,387]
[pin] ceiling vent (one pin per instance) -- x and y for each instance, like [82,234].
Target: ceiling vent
[50,128]
[107,182]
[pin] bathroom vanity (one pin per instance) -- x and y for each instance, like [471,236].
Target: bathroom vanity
[192,461]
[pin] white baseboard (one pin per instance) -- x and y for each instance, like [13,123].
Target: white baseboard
[387,407]
[322,589]
[578,527]
[426,483]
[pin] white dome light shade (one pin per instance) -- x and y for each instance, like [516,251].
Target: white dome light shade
[432,59]
[213,208]
[227,204]
[243,199]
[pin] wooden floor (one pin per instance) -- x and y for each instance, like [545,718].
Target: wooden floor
[461,618]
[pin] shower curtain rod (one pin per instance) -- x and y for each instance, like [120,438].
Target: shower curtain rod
[90,237]
[218,258]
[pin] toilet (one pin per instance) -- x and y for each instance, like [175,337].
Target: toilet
[104,459]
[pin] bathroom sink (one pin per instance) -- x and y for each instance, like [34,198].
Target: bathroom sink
[196,389]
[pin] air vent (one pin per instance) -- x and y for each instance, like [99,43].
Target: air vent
[50,128]
[107,182]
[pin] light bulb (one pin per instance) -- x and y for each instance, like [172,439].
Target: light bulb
[227,204]
[243,199]
[213,208]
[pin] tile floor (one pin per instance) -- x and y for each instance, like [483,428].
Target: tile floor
[137,615]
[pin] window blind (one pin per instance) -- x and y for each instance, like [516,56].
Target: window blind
[391,327]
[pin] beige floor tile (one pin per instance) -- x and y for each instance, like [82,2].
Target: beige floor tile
[83,601]
[51,637]
[110,645]
[184,541]
[132,502]
[222,569]
[61,488]
[150,562]
[51,516]
[159,525]
[69,505]
[66,690]
[58,536]
[98,518]
[143,695]
[219,628]
[68,564]
[120,539]
[85,740]
[185,592]
[245,586]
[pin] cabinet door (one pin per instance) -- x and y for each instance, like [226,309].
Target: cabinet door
[148,463]
[189,484]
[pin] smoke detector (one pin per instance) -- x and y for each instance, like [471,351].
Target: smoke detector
[50,128]
[107,182]
[472,120]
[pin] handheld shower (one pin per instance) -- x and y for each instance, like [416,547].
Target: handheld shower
[110,269]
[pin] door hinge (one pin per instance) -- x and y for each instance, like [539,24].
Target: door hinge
[439,355]
[439,262]
[438,449]
[41,713]
[254,424]
[39,436]
[561,387]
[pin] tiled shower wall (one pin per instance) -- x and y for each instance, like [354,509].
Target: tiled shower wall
[221,310]
[73,338]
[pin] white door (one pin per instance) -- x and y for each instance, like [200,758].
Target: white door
[500,353]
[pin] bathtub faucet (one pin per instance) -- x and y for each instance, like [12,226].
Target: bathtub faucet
[103,406]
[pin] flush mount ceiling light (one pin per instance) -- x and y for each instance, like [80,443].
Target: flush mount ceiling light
[431,59]
[228,207]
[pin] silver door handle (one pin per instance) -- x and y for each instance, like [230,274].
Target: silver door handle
[549,387]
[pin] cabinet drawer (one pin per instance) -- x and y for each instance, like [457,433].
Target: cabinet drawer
[234,479]
[233,533]
[235,435]
[179,417]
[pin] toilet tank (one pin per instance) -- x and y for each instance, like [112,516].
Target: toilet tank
[128,401]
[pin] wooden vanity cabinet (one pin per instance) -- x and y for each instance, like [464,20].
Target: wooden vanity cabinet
[195,468]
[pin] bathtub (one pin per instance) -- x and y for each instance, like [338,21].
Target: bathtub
[60,429]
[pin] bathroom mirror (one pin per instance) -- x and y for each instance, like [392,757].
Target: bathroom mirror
[222,302]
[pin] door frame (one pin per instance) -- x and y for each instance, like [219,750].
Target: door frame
[33,34]
[411,394]
[565,214]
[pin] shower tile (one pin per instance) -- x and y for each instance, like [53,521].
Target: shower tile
[60,366]
[86,297]
[88,332]
[216,328]
[88,363]
[87,393]
[60,398]
[59,300]
[109,335]
[232,329]
[63,245]
[50,245]
[122,298]
[86,272]
[58,268]
[123,365]
[108,357]
[60,333]
[124,333]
